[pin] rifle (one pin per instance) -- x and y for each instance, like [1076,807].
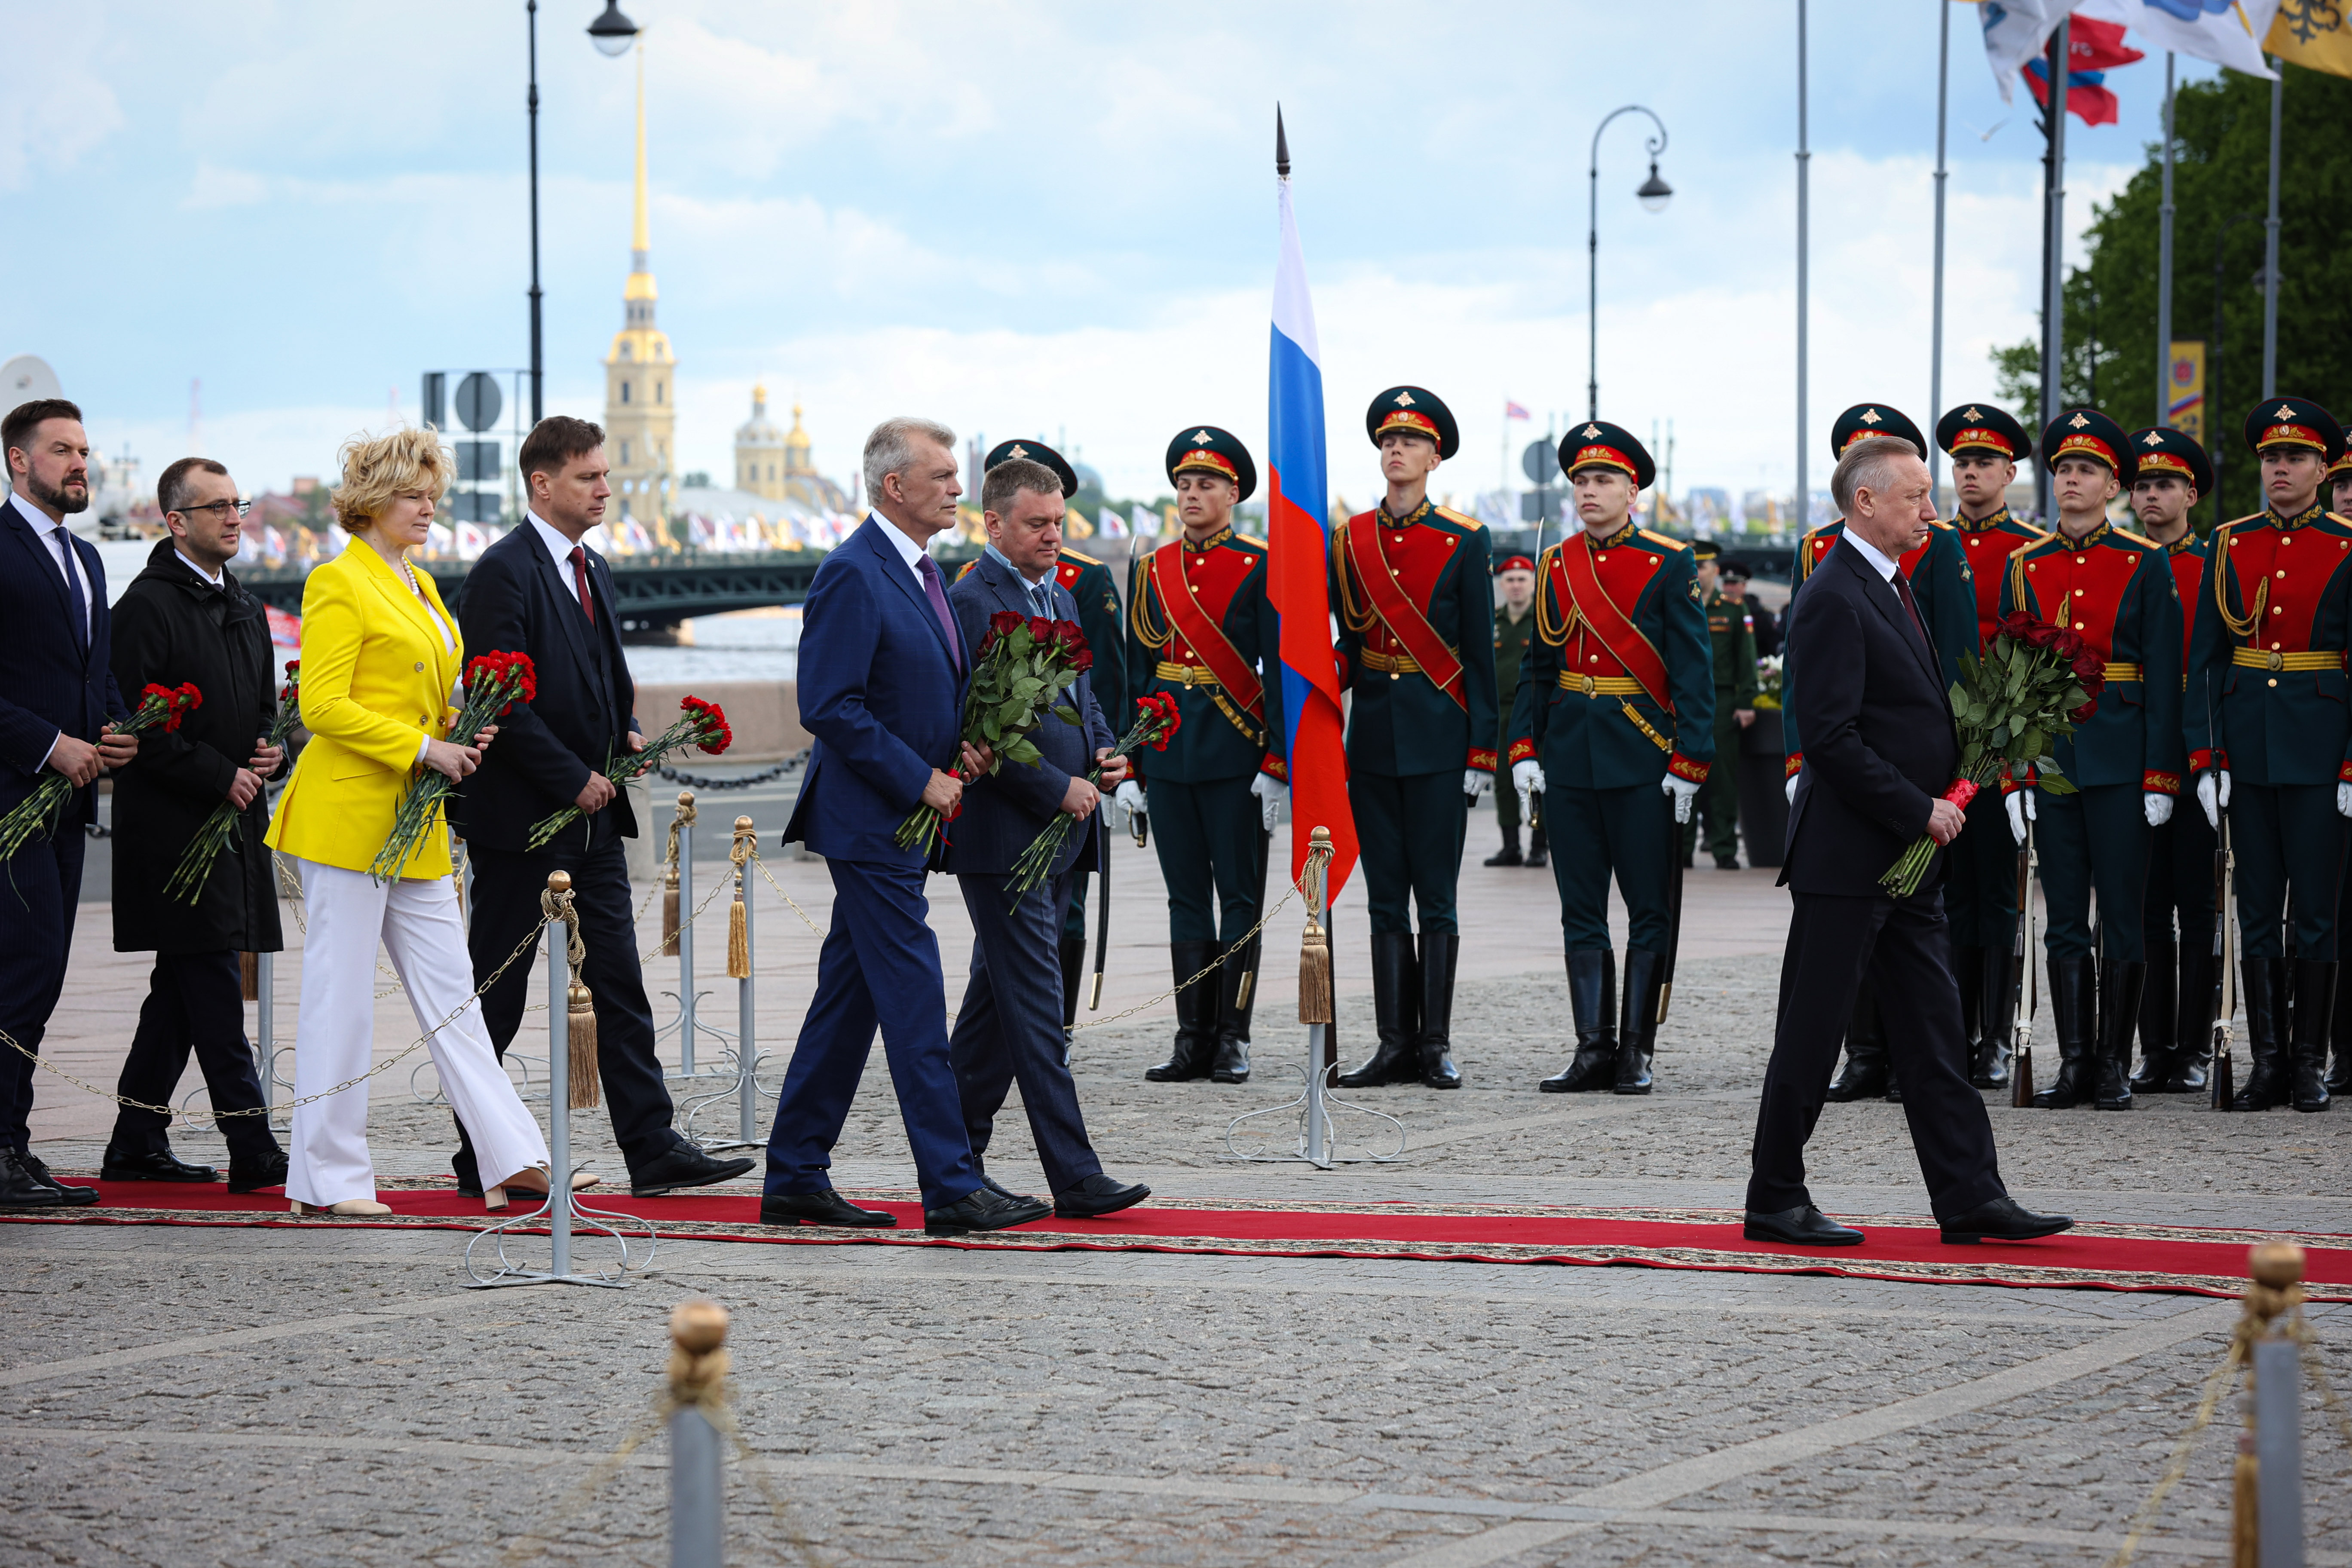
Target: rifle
[1257,942]
[1673,909]
[2021,1028]
[2224,869]
[1102,915]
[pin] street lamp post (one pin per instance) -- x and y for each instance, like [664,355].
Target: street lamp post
[611,33]
[1653,194]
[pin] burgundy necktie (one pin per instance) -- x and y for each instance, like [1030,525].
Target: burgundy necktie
[1904,588]
[930,573]
[579,580]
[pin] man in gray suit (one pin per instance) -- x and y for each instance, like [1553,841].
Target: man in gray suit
[1010,1025]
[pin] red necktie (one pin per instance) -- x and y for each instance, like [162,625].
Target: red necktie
[1904,588]
[579,580]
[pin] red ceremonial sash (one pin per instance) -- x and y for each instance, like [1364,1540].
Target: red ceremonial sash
[1615,629]
[1401,615]
[1205,637]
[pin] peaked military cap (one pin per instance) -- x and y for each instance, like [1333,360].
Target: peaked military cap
[2087,433]
[1983,427]
[1873,419]
[1706,550]
[2341,466]
[1597,442]
[1036,452]
[2294,422]
[1416,411]
[2162,449]
[1514,564]
[1206,449]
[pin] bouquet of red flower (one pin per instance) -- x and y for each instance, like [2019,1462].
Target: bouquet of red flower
[704,725]
[1156,720]
[197,861]
[2035,683]
[494,683]
[37,816]
[1024,664]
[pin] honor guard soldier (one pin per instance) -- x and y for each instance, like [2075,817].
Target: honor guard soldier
[1099,616]
[1200,629]
[1614,727]
[2339,1076]
[1942,588]
[2114,590]
[2269,742]
[1986,444]
[2177,1006]
[1514,621]
[1413,585]
[1732,636]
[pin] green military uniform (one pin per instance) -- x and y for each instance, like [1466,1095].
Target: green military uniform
[1510,653]
[1415,598]
[1200,630]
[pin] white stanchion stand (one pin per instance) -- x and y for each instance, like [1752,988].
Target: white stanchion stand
[746,1086]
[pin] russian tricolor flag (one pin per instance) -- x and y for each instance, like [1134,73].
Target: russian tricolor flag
[1299,541]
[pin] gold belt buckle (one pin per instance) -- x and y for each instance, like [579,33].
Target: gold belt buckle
[1187,676]
[1591,686]
[2278,661]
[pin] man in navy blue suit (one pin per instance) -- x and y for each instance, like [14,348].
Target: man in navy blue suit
[58,697]
[882,672]
[1010,1026]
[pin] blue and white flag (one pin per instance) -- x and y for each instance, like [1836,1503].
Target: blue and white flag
[2227,32]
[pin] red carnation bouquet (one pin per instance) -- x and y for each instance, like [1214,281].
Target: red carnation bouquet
[494,683]
[702,724]
[1024,664]
[1156,720]
[2035,683]
[195,865]
[37,815]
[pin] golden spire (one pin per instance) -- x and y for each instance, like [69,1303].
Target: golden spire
[640,237]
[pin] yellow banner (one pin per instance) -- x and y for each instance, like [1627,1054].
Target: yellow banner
[2184,390]
[2314,34]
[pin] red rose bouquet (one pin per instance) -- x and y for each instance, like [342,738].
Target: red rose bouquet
[702,724]
[2034,683]
[1156,720]
[37,816]
[494,683]
[197,861]
[1024,664]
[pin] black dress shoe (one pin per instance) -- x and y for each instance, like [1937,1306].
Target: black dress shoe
[253,1178]
[1097,1195]
[1804,1225]
[683,1165]
[73,1198]
[152,1165]
[980,1209]
[18,1190]
[2002,1219]
[1002,1191]
[827,1208]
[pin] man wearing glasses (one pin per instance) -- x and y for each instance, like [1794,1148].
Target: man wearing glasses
[185,618]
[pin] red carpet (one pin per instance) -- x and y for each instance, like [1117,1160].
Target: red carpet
[2098,1257]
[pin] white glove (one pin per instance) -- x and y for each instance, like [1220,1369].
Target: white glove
[2344,800]
[2160,806]
[1271,792]
[1684,794]
[2213,795]
[1127,805]
[1475,784]
[2019,802]
[1789,789]
[1527,778]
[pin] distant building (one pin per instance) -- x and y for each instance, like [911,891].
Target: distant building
[640,374]
[780,465]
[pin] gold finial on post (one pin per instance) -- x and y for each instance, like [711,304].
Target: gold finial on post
[2276,1281]
[698,1351]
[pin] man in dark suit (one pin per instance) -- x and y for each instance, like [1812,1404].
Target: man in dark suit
[58,697]
[542,592]
[1880,749]
[1010,1025]
[882,673]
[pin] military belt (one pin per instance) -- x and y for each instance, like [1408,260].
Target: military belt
[2258,659]
[1391,664]
[1186,674]
[2115,672]
[1600,685]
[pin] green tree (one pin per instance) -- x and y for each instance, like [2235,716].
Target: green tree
[2221,169]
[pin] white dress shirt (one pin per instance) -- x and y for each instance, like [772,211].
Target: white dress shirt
[1882,565]
[558,550]
[213,577]
[909,550]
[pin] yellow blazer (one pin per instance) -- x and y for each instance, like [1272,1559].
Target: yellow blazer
[376,682]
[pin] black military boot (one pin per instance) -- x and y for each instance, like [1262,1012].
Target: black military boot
[1967,973]
[2339,1078]
[2200,1002]
[1396,1015]
[1510,854]
[2314,1016]
[2263,979]
[1864,1077]
[1196,1016]
[1538,848]
[1233,1006]
[1434,1044]
[2074,1002]
[1074,968]
[1637,1025]
[2159,1018]
[1592,1003]
[2124,987]
[1989,1058]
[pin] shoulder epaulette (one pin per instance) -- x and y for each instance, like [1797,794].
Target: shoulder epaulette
[2339,518]
[1240,538]
[2139,538]
[968,567]
[2250,517]
[1942,524]
[1081,558]
[1452,516]
[1661,540]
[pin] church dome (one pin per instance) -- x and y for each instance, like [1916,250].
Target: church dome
[759,430]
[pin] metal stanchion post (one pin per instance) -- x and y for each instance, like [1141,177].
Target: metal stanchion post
[697,1361]
[265,1044]
[686,933]
[747,1053]
[1318,1114]
[2278,1448]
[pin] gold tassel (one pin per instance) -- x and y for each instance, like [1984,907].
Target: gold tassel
[458,870]
[669,913]
[738,939]
[248,975]
[2245,1508]
[1315,998]
[580,1014]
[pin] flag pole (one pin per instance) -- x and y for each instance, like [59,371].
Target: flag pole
[2271,239]
[1936,340]
[2164,266]
[2053,249]
[1805,159]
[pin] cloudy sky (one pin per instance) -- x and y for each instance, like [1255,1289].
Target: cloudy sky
[1022,217]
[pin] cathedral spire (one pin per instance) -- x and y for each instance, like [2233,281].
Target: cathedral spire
[641,236]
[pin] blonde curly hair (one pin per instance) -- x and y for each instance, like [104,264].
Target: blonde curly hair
[376,469]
